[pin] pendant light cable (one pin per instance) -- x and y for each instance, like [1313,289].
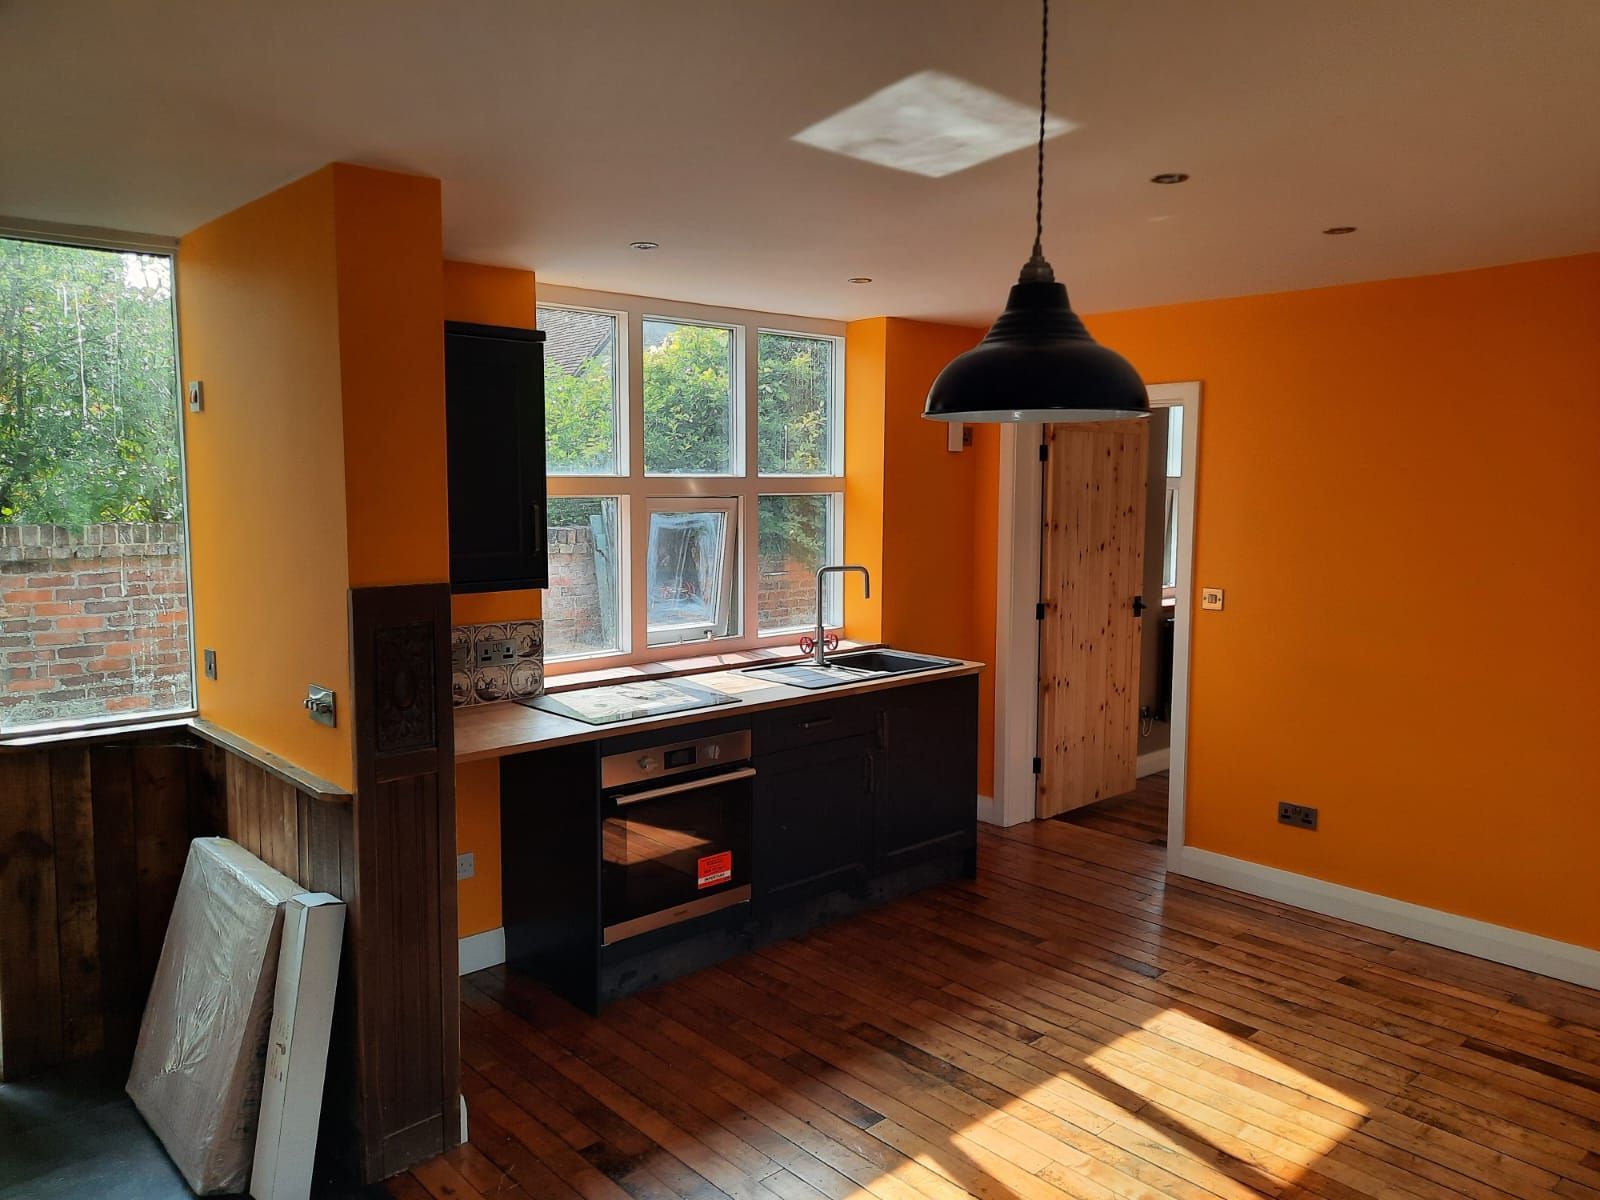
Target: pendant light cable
[1038,199]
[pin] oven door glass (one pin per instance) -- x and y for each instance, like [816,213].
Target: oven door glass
[663,852]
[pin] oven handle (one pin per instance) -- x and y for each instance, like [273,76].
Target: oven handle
[673,789]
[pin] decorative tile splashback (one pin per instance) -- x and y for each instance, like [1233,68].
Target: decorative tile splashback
[472,684]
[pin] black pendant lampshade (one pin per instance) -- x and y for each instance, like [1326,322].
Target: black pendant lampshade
[1038,362]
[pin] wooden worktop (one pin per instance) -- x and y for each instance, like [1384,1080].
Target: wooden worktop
[496,730]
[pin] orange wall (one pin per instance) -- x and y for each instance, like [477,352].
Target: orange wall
[258,322]
[865,391]
[1396,490]
[919,517]
[392,360]
[488,296]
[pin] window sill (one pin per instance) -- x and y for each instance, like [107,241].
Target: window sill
[90,732]
[695,665]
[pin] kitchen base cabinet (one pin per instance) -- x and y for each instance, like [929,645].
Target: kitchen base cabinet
[926,806]
[855,801]
[812,821]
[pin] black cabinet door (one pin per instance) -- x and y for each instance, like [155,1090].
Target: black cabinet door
[927,803]
[812,824]
[494,408]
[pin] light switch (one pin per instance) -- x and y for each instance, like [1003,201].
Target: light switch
[1211,599]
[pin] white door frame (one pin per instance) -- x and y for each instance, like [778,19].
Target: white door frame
[1017,628]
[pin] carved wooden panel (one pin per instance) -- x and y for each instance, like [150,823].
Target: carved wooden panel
[407,687]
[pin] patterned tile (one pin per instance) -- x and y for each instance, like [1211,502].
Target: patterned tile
[472,684]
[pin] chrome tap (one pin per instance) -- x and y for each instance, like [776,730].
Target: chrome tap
[819,651]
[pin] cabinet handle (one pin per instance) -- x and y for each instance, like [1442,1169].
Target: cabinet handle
[540,532]
[883,728]
[816,723]
[872,775]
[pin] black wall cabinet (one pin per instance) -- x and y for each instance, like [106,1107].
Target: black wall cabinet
[494,409]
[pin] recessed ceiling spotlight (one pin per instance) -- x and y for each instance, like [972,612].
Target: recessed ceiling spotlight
[859,279]
[644,245]
[1336,230]
[1169,177]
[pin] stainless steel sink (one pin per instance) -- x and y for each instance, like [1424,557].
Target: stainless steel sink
[853,666]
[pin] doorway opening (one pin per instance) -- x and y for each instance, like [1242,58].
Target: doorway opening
[1140,813]
[1116,552]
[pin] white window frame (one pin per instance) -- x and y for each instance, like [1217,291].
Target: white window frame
[635,491]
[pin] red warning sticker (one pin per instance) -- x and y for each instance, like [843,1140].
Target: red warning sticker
[716,868]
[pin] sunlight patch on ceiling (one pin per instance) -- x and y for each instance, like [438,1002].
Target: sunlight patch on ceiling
[931,124]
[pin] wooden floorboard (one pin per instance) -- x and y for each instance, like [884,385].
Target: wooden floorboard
[1072,1023]
[1140,815]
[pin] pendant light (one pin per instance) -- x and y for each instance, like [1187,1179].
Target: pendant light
[1038,362]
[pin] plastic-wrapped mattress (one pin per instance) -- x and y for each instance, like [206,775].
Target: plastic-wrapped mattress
[196,1075]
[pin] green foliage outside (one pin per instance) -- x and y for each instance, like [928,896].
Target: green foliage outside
[687,373]
[88,387]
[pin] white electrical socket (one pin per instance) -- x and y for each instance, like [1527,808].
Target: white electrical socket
[466,866]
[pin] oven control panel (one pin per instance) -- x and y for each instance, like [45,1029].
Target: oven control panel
[635,766]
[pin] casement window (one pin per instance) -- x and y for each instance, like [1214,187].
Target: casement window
[94,591]
[696,461]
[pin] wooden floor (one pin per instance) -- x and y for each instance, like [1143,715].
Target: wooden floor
[1073,1023]
[1141,815]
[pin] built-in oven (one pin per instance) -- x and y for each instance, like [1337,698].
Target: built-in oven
[675,832]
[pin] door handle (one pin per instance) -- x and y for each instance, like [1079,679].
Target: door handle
[693,785]
[1138,606]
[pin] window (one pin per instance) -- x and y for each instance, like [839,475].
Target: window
[581,391]
[1169,555]
[696,475]
[795,385]
[799,535]
[688,399]
[690,570]
[94,593]
[582,607]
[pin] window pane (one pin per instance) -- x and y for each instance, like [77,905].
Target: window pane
[795,404]
[688,399]
[796,540]
[581,605]
[688,580]
[1174,442]
[580,391]
[1169,557]
[93,587]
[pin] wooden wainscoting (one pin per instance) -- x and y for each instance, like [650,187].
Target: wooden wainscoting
[93,839]
[92,845]
[94,833]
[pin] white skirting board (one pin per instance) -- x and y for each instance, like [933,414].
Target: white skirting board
[1529,951]
[989,810]
[486,949]
[1154,762]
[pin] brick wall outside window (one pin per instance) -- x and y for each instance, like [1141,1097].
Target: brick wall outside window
[94,619]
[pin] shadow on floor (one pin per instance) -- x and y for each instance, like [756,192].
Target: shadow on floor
[1139,816]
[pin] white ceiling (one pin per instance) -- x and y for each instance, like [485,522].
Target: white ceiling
[1454,133]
